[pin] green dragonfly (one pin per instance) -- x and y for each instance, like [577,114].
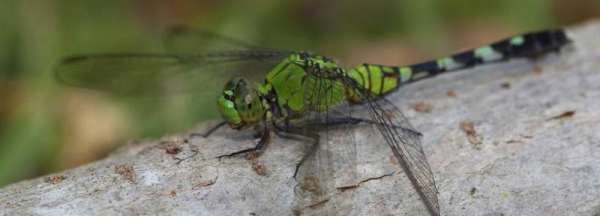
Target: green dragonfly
[293,93]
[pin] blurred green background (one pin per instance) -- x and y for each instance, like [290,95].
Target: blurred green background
[45,127]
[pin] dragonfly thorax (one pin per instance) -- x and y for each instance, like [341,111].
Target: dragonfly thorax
[240,104]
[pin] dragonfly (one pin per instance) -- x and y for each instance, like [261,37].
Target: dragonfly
[293,93]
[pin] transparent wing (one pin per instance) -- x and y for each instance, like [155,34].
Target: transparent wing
[315,175]
[405,143]
[186,40]
[324,100]
[195,60]
[331,164]
[163,74]
[379,122]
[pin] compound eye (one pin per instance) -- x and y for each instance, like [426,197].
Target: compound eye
[229,112]
[228,94]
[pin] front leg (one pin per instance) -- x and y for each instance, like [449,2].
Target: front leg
[265,138]
[209,131]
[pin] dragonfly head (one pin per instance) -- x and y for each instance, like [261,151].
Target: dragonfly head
[240,104]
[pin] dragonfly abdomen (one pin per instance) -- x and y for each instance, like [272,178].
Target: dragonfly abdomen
[380,79]
[528,45]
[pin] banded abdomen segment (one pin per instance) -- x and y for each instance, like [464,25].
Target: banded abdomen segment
[381,79]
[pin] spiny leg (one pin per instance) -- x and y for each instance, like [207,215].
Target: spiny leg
[297,134]
[265,138]
[209,131]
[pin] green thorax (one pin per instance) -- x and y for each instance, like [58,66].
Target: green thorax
[305,82]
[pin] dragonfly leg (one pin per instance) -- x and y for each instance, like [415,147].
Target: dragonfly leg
[209,131]
[299,134]
[265,138]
